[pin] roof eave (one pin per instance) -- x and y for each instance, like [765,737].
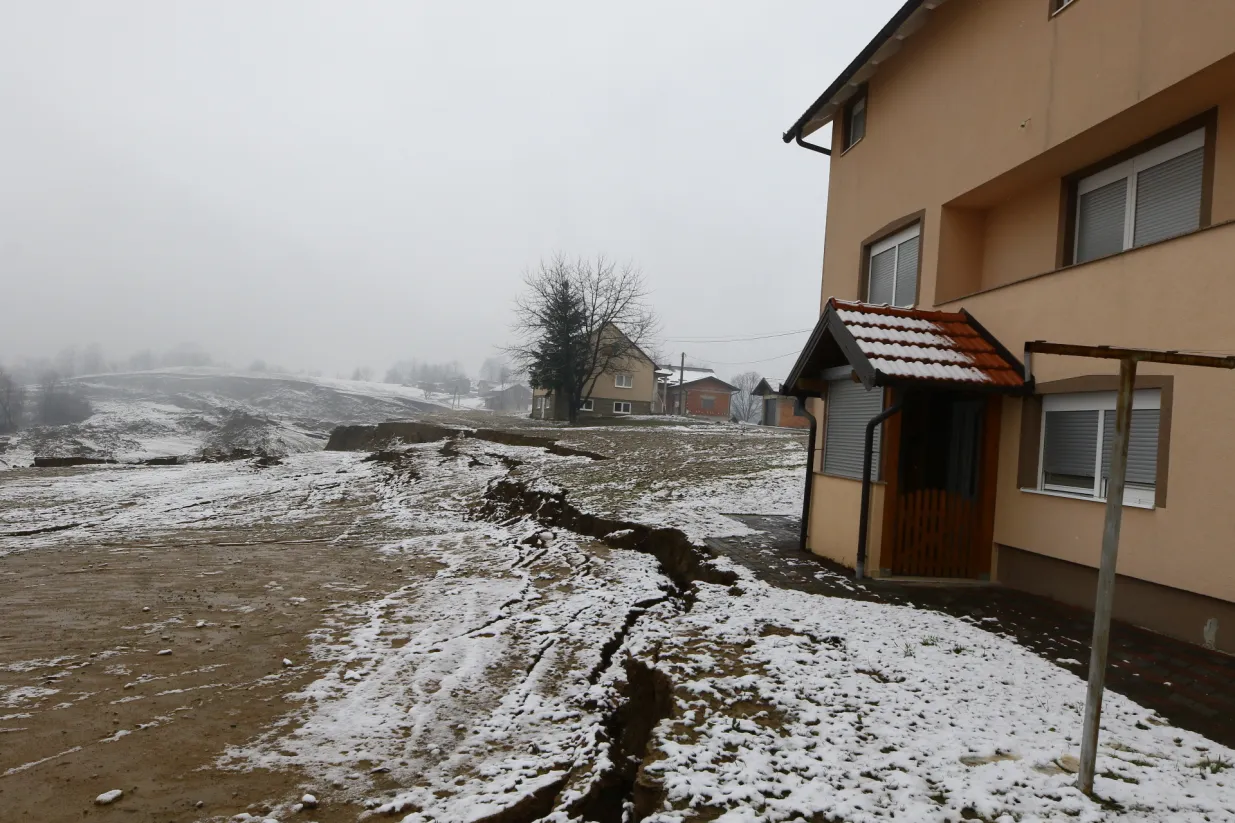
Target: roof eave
[907,20]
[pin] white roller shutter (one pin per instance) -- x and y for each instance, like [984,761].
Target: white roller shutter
[850,406]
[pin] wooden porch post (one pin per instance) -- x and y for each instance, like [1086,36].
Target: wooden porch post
[1106,575]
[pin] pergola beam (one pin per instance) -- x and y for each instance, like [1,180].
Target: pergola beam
[1176,358]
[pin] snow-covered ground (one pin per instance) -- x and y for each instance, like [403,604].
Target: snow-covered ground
[508,665]
[183,412]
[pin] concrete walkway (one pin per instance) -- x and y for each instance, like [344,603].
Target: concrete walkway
[1190,686]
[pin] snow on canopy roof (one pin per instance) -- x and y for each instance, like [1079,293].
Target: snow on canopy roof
[927,345]
[886,345]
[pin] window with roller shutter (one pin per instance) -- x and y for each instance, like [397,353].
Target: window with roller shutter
[1151,197]
[892,269]
[850,406]
[1078,436]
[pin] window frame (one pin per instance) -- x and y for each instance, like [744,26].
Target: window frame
[618,380]
[862,98]
[893,241]
[1057,6]
[1102,402]
[617,407]
[1069,200]
[587,405]
[1129,170]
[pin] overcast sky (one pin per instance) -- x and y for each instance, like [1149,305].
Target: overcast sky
[332,184]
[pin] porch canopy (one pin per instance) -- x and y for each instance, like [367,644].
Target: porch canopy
[884,346]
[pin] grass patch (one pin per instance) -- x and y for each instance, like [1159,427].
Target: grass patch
[1214,765]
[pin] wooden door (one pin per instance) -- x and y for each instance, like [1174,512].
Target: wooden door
[939,501]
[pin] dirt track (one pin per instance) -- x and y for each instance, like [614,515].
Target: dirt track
[174,713]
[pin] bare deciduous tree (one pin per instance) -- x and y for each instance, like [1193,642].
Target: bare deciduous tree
[577,320]
[746,407]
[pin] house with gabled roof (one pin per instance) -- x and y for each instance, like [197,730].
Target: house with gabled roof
[696,391]
[1006,172]
[628,386]
[777,408]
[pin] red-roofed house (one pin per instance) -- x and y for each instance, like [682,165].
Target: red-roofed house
[781,410]
[697,392]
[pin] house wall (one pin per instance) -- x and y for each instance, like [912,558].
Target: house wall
[605,387]
[786,416]
[721,397]
[977,123]
[720,402]
[989,92]
[834,521]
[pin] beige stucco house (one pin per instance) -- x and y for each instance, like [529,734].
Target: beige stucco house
[626,387]
[1016,170]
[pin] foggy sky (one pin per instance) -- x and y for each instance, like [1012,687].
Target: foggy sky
[333,184]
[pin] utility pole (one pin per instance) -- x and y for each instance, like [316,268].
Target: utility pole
[681,389]
[1128,358]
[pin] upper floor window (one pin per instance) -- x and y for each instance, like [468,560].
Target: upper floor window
[1151,197]
[855,119]
[1058,5]
[892,269]
[624,381]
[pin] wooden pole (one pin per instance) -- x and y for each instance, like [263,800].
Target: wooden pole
[1106,574]
[1128,358]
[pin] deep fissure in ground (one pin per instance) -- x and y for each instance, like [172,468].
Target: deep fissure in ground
[645,695]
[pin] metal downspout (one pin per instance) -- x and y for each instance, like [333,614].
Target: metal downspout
[810,473]
[864,521]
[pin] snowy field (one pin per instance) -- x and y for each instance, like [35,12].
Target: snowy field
[459,664]
[185,412]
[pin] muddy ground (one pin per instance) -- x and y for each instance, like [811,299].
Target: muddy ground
[233,569]
[107,711]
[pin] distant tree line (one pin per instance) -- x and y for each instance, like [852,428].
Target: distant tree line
[412,372]
[38,391]
[49,402]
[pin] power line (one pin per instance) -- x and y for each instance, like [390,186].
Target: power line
[746,362]
[732,339]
